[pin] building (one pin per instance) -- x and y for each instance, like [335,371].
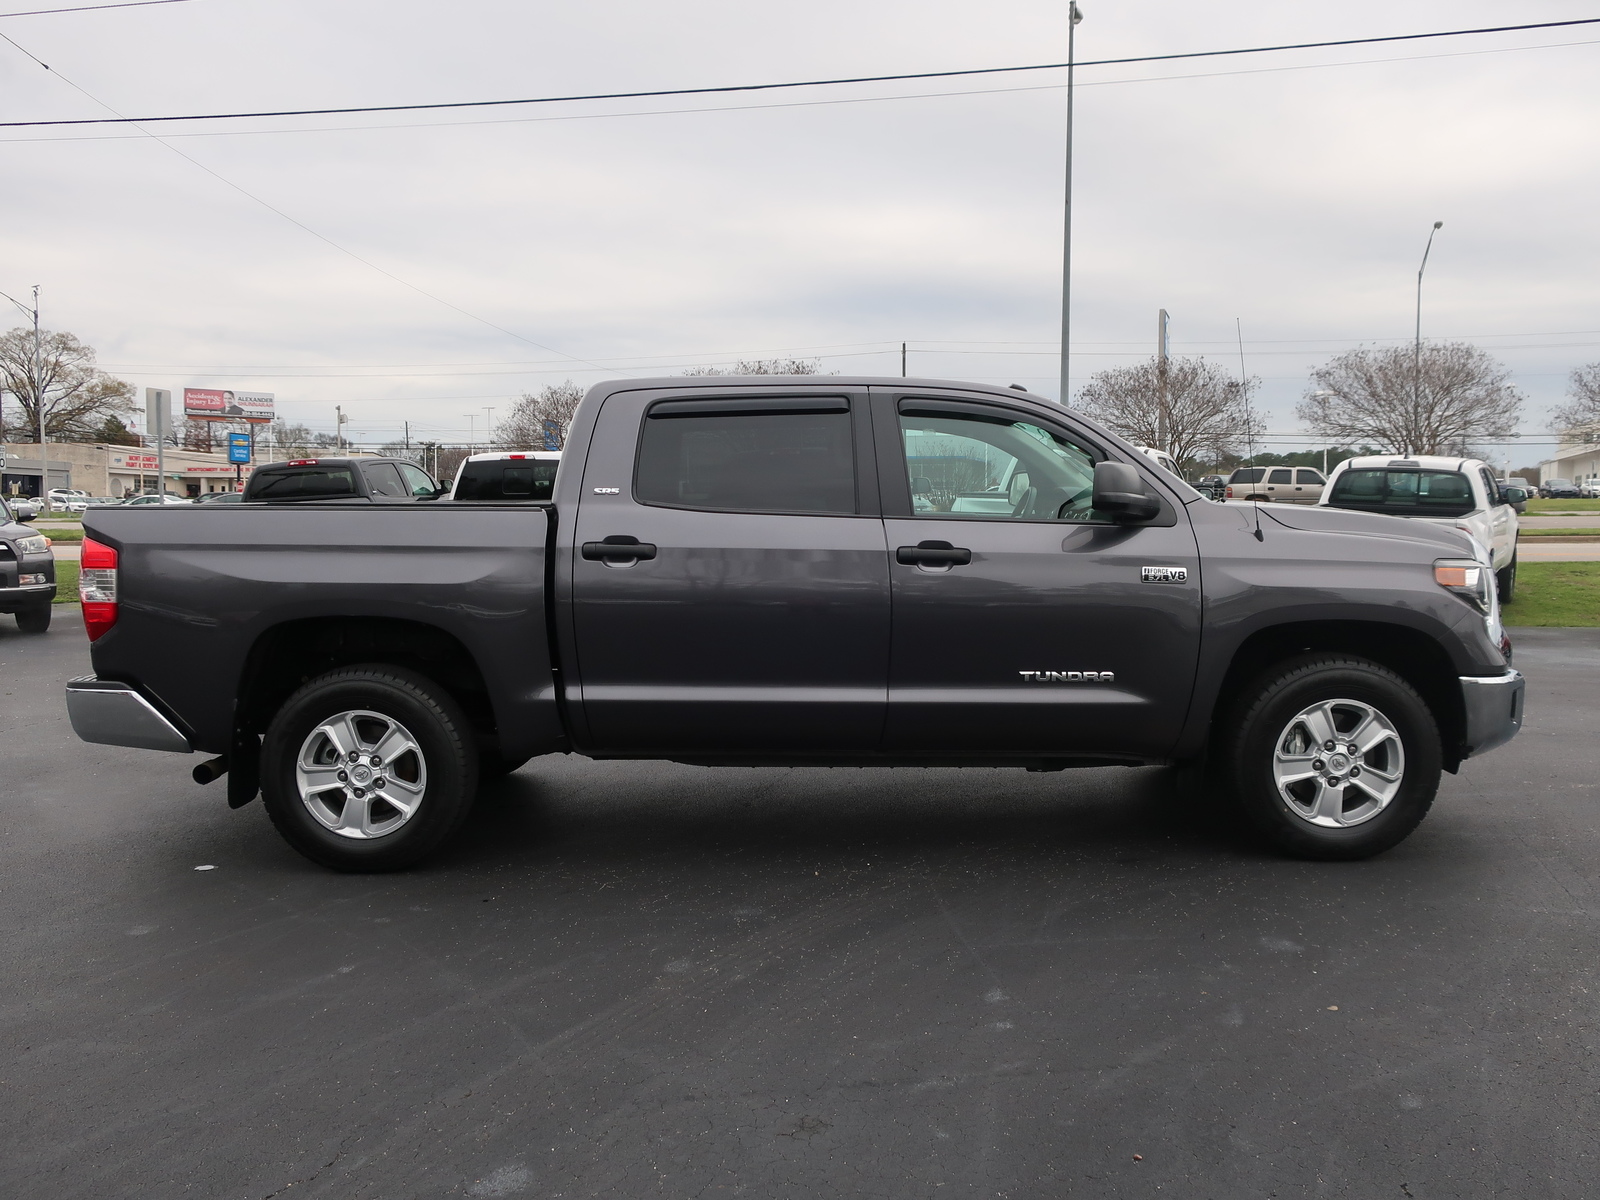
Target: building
[104,470]
[1579,463]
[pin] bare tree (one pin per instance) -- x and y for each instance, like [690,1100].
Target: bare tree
[1208,411]
[297,441]
[1454,394]
[1579,419]
[537,420]
[61,385]
[765,366]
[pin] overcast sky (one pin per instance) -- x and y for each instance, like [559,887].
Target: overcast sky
[1293,192]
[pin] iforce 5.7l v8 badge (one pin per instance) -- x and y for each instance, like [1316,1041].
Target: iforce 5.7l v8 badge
[1164,574]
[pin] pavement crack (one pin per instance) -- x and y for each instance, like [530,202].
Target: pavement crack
[337,1155]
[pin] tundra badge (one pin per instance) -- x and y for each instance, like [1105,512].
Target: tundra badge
[1069,676]
[1164,574]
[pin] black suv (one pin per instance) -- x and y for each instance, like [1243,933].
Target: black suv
[27,572]
[380,480]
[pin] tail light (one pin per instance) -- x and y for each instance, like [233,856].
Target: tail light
[97,587]
[1228,493]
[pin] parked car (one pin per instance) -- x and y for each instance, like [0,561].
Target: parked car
[23,508]
[1213,486]
[220,498]
[713,584]
[1559,489]
[1162,459]
[507,478]
[369,480]
[1457,492]
[105,501]
[1292,485]
[27,571]
[169,498]
[1590,488]
[68,500]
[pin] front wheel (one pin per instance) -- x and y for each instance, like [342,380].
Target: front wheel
[1332,758]
[1505,580]
[368,768]
[34,620]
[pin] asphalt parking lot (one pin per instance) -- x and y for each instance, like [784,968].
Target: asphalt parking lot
[652,980]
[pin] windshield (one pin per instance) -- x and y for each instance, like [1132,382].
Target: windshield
[1404,493]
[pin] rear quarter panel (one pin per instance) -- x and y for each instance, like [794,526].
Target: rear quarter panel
[198,587]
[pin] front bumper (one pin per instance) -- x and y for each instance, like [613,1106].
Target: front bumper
[28,596]
[114,714]
[1493,704]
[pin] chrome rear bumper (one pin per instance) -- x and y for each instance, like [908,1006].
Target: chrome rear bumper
[1493,705]
[113,714]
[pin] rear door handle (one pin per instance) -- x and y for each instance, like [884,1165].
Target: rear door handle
[618,548]
[933,554]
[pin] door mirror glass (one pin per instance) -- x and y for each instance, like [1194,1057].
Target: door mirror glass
[1119,492]
[1514,495]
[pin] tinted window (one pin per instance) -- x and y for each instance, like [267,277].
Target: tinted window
[1304,476]
[776,461]
[417,480]
[970,466]
[305,483]
[1280,476]
[1247,475]
[384,480]
[1404,493]
[510,479]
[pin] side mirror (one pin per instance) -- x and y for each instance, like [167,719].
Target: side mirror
[1120,493]
[1514,495]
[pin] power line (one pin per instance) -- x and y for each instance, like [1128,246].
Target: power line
[42,12]
[806,83]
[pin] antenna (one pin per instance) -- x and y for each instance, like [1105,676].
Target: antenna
[1249,422]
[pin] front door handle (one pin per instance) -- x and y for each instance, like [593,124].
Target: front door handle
[618,548]
[933,554]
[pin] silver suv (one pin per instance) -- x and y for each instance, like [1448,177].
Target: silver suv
[1291,485]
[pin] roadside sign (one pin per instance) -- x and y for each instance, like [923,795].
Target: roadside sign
[238,447]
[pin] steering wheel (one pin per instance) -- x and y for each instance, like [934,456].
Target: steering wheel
[1024,506]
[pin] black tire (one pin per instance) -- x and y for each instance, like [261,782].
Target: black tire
[34,620]
[1505,580]
[1264,725]
[441,763]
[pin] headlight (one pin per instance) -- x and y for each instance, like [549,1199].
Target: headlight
[1467,578]
[37,544]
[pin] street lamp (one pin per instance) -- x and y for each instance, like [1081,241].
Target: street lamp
[38,398]
[1416,358]
[1074,15]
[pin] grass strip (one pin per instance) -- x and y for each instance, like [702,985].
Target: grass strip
[1559,506]
[1556,593]
[66,582]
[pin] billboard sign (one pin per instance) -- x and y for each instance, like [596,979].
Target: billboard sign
[238,447]
[216,404]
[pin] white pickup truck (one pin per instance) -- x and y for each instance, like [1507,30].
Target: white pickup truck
[1459,492]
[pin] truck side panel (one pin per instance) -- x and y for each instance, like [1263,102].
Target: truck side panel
[200,587]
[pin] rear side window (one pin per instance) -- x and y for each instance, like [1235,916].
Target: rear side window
[796,459]
[1247,475]
[509,479]
[385,480]
[1404,493]
[1305,476]
[304,483]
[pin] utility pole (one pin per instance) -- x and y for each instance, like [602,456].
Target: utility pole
[488,426]
[902,360]
[338,427]
[38,397]
[1074,15]
[408,439]
[1416,360]
[1163,405]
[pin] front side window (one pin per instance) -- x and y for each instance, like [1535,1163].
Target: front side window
[970,466]
[1404,493]
[416,480]
[792,459]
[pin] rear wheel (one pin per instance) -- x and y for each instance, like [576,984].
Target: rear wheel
[1505,580]
[1332,757]
[368,768]
[34,620]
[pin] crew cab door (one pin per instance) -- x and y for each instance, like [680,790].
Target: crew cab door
[1025,623]
[1500,518]
[730,590]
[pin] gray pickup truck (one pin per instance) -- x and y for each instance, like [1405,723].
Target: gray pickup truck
[816,572]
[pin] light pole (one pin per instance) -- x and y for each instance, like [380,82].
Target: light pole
[1416,358]
[1074,15]
[488,426]
[38,398]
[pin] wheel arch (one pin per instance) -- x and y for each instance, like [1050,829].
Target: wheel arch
[1410,653]
[288,654]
